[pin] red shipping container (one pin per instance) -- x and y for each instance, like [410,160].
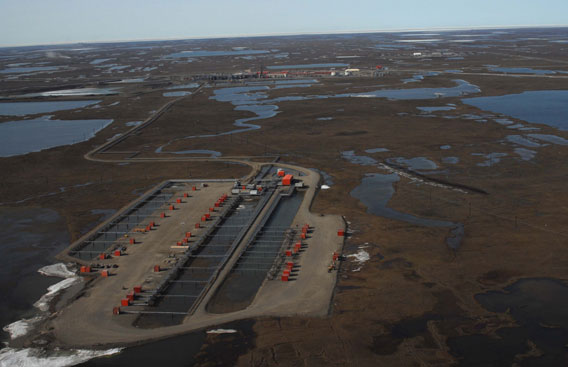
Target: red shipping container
[287,180]
[117,253]
[194,188]
[116,310]
[203,218]
[208,215]
[178,201]
[172,207]
[196,225]
[185,195]
[132,241]
[137,289]
[341,233]
[125,302]
[156,268]
[162,215]
[130,297]
[102,256]
[105,273]
[284,278]
[187,234]
[303,236]
[211,209]
[288,253]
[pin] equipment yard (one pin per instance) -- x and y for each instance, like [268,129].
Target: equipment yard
[156,267]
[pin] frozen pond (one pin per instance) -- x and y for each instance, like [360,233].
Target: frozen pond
[126,81]
[29,69]
[491,158]
[362,160]
[204,53]
[307,66]
[99,61]
[417,163]
[211,153]
[462,88]
[525,154]
[434,109]
[450,160]
[176,94]
[74,92]
[549,138]
[32,108]
[21,137]
[521,140]
[523,71]
[376,150]
[549,107]
[185,86]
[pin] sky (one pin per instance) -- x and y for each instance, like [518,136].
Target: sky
[33,22]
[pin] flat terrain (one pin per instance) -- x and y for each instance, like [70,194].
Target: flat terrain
[416,300]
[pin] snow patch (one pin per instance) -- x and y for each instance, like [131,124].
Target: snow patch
[221,331]
[53,290]
[56,270]
[360,256]
[325,187]
[21,327]
[34,357]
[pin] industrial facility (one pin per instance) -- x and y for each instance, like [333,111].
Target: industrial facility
[195,250]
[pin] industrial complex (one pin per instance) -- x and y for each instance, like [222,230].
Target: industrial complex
[194,253]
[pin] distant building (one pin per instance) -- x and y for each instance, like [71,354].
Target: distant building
[351,71]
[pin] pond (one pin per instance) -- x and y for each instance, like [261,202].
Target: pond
[539,308]
[32,108]
[549,107]
[307,66]
[377,189]
[21,137]
[204,53]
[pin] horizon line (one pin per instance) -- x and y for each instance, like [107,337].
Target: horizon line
[281,34]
